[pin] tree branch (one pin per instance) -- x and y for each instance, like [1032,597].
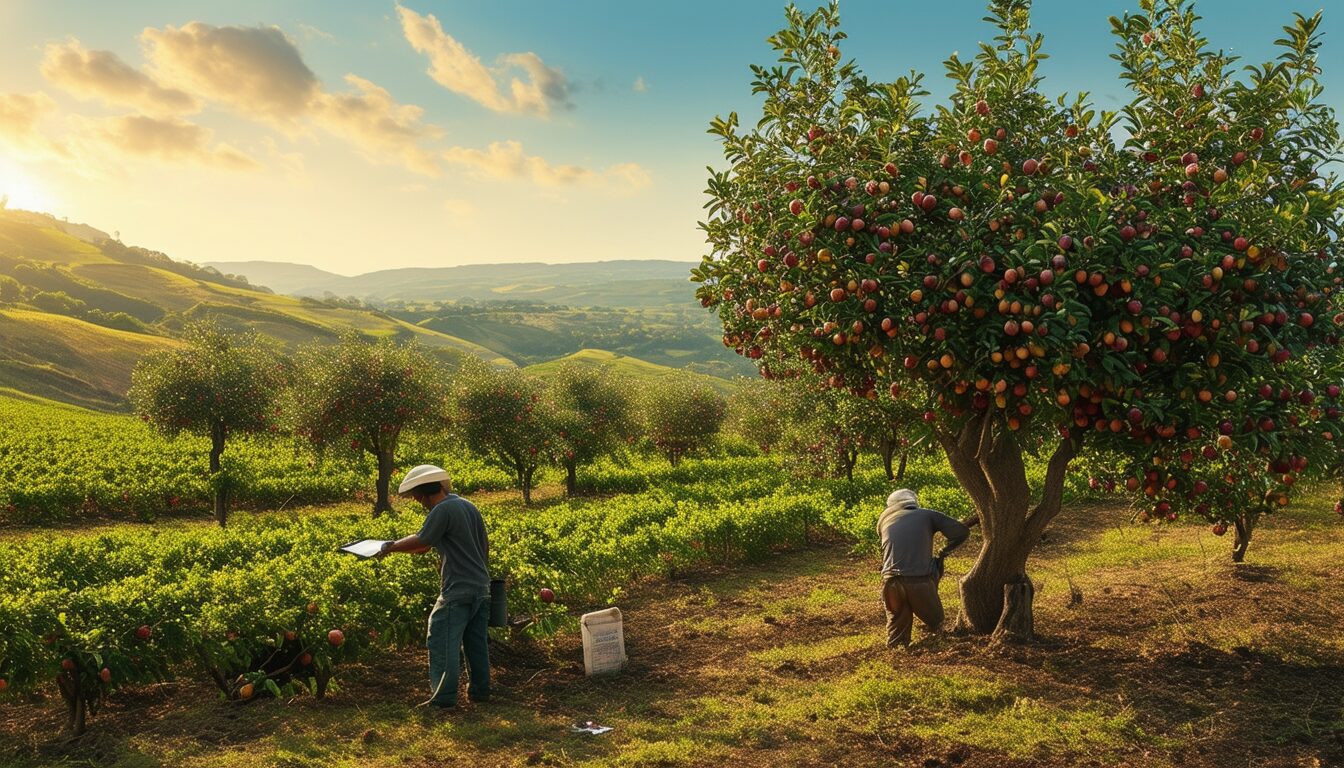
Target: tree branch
[1052,494]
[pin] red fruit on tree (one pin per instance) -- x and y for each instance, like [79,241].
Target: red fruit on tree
[982,107]
[546,595]
[336,637]
[143,632]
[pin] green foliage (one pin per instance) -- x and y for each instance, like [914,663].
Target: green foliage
[218,381]
[1004,253]
[364,395]
[682,415]
[507,418]
[594,415]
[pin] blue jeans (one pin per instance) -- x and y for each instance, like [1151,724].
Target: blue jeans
[453,626]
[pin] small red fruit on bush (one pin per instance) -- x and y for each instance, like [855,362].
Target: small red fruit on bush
[546,595]
[336,637]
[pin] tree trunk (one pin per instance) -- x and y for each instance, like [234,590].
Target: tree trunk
[1015,623]
[900,471]
[76,708]
[1243,526]
[888,450]
[987,460]
[383,502]
[571,479]
[525,479]
[221,494]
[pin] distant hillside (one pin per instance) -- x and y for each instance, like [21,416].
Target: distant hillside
[627,367]
[627,283]
[76,315]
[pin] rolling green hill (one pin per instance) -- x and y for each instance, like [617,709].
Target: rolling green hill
[75,315]
[629,368]
[619,284]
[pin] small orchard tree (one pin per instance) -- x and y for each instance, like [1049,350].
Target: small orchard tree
[363,396]
[1053,291]
[217,385]
[760,411]
[682,414]
[508,418]
[594,417]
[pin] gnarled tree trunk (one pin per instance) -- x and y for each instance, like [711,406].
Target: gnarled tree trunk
[987,460]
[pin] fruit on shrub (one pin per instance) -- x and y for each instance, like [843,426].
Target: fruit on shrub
[546,595]
[143,632]
[1219,528]
[105,675]
[312,609]
[336,637]
[68,665]
[982,107]
[291,636]
[306,660]
[246,691]
[4,684]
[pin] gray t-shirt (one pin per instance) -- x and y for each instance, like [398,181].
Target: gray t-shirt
[907,540]
[455,529]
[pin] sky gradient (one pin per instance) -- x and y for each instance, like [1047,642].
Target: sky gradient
[356,136]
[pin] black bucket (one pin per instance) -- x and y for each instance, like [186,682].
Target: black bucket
[499,608]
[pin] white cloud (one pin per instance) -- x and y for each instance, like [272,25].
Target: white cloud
[507,160]
[640,86]
[372,120]
[20,116]
[459,70]
[255,70]
[169,139]
[311,32]
[102,75]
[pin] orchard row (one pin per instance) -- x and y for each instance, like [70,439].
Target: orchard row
[269,605]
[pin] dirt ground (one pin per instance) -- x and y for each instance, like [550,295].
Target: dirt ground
[1154,651]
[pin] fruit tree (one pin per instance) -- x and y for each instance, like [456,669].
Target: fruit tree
[682,414]
[1053,290]
[506,417]
[218,384]
[365,395]
[594,417]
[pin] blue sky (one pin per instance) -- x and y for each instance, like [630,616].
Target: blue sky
[596,167]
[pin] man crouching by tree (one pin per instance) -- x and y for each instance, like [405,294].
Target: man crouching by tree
[461,615]
[910,572]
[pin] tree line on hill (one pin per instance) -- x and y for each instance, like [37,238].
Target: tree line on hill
[362,397]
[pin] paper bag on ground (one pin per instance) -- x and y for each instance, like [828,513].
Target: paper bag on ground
[603,641]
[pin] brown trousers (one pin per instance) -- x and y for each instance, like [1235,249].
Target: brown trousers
[906,597]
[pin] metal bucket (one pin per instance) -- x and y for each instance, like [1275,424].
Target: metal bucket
[499,608]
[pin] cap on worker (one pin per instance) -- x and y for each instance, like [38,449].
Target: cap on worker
[902,498]
[425,473]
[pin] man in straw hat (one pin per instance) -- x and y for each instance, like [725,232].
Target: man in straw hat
[461,614]
[910,572]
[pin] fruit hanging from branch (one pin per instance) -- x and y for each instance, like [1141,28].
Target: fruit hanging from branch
[1118,306]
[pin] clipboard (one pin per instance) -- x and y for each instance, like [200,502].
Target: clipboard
[363,548]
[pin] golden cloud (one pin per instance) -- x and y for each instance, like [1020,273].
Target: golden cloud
[459,70]
[169,139]
[102,75]
[507,160]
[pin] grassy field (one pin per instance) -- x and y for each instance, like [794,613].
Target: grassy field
[1154,651]
[624,368]
[87,313]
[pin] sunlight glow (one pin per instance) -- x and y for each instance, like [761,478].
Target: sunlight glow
[23,192]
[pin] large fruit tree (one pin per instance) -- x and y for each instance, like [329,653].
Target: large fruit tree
[1169,299]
